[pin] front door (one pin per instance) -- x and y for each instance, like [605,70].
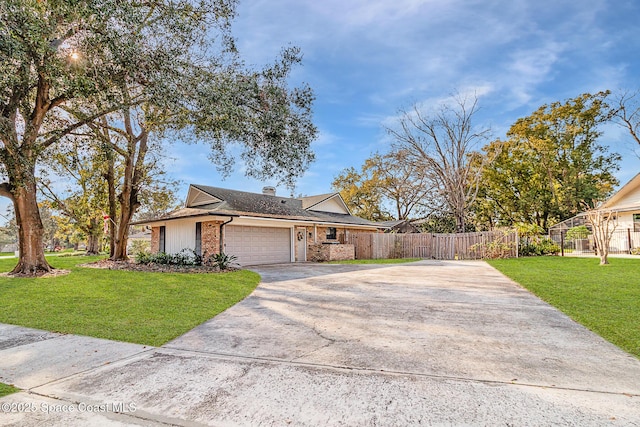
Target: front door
[301,244]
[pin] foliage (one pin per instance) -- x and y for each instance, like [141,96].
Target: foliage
[551,165]
[6,389]
[538,247]
[362,194]
[578,233]
[85,192]
[442,146]
[126,70]
[440,222]
[635,251]
[605,300]
[499,247]
[528,231]
[385,180]
[139,246]
[222,261]
[140,307]
[187,257]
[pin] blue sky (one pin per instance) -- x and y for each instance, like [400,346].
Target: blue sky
[365,59]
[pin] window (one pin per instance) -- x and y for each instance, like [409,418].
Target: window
[163,232]
[331,233]
[198,249]
[636,222]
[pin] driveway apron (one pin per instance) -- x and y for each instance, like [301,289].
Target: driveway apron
[426,343]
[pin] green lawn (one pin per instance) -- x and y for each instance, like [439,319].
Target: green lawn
[605,299]
[138,307]
[6,389]
[376,261]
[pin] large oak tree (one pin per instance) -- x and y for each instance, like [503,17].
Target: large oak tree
[67,64]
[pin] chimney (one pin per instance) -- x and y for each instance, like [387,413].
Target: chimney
[269,191]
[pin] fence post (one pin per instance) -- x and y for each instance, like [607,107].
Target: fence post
[629,239]
[562,242]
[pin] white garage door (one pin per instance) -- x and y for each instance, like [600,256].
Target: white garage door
[258,245]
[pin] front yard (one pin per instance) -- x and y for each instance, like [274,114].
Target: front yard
[138,307]
[605,299]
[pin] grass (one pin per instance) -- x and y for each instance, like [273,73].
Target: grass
[138,307]
[376,261]
[605,299]
[6,390]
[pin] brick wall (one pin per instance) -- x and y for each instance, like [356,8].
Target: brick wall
[210,238]
[155,240]
[320,252]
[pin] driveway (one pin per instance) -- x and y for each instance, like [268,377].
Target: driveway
[431,343]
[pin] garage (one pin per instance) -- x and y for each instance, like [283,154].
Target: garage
[258,245]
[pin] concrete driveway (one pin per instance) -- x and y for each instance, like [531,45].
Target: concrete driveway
[427,343]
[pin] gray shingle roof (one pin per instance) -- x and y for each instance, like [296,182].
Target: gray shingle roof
[242,203]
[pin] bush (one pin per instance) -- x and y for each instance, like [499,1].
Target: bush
[578,233]
[185,257]
[497,248]
[222,261]
[635,251]
[539,247]
[138,246]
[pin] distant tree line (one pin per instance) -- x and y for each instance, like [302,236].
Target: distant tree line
[447,172]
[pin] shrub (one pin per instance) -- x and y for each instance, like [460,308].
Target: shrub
[222,261]
[578,233]
[186,257]
[159,258]
[137,246]
[143,258]
[635,251]
[497,248]
[539,247]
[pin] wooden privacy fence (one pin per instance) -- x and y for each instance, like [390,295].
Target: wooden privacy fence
[489,244]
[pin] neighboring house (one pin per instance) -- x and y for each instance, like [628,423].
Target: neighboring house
[625,204]
[258,228]
[399,226]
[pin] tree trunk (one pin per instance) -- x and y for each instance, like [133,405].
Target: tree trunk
[113,202]
[30,232]
[93,244]
[128,206]
[94,236]
[460,223]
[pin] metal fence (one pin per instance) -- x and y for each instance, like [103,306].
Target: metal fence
[622,242]
[490,244]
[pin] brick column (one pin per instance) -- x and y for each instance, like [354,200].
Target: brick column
[210,238]
[155,240]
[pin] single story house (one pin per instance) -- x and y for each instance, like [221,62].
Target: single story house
[625,206]
[258,228]
[626,203]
